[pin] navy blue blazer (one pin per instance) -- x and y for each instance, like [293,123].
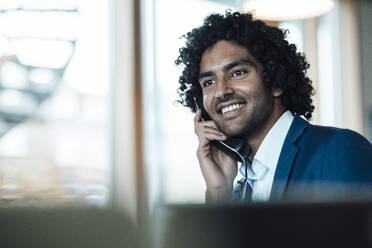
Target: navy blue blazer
[316,156]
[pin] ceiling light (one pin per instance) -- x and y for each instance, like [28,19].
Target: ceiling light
[283,10]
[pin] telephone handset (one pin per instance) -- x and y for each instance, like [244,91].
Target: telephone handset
[234,147]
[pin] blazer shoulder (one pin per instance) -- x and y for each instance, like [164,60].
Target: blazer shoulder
[337,137]
[341,155]
[302,131]
[334,135]
[321,136]
[347,155]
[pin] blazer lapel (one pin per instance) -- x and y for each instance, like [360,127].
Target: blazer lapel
[287,158]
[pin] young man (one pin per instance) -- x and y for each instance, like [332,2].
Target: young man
[252,83]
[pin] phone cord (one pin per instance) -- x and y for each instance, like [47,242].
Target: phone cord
[247,187]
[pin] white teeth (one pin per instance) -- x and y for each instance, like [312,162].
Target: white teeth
[231,108]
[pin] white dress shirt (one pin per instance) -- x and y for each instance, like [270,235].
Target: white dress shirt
[262,170]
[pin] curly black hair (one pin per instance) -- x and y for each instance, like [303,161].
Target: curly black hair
[283,67]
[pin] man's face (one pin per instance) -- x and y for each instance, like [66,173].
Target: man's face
[233,93]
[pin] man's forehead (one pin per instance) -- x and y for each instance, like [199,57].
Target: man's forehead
[222,54]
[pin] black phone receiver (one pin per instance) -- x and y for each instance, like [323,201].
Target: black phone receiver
[236,147]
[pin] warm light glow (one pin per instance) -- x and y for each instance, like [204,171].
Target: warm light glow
[283,10]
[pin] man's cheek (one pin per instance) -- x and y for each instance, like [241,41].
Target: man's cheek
[206,101]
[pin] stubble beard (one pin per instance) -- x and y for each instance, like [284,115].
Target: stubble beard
[253,120]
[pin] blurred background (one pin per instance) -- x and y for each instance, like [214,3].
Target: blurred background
[88,112]
[54,86]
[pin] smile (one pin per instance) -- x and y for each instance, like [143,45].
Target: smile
[232,107]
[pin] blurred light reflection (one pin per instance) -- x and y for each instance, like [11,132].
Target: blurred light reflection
[55,25]
[38,4]
[43,53]
[4,45]
[13,76]
[41,76]
[16,100]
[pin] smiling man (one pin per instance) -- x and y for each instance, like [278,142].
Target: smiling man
[251,84]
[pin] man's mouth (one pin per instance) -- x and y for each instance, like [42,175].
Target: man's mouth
[231,107]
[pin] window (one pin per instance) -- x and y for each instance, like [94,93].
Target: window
[54,145]
[170,143]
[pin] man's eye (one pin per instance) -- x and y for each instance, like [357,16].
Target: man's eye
[238,73]
[206,83]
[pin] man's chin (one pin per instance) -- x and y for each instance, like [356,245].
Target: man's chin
[232,132]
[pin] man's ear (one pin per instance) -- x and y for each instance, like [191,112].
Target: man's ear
[277,92]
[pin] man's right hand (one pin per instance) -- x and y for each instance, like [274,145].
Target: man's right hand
[219,170]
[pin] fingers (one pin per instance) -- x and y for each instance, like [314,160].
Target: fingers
[206,131]
[198,124]
[211,126]
[197,116]
[206,134]
[211,134]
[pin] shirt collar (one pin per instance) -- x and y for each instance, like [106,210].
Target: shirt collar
[270,148]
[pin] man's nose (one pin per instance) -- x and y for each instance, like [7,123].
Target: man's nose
[223,89]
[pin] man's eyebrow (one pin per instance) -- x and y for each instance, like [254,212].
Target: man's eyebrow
[228,67]
[205,74]
[239,62]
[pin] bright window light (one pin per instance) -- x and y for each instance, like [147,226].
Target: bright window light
[174,138]
[295,35]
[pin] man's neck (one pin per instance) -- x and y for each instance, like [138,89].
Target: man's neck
[256,137]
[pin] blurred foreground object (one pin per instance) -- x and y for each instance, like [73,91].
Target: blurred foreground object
[284,10]
[38,183]
[75,227]
[327,224]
